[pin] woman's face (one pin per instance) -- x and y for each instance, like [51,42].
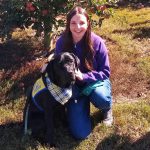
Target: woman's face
[78,27]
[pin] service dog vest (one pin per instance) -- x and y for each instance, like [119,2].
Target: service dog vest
[62,95]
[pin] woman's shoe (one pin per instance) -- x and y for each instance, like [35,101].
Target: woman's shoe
[108,118]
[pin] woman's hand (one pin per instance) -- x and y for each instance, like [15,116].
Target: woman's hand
[78,75]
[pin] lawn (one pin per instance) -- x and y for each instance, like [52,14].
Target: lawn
[127,36]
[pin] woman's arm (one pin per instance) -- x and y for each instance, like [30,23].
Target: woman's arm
[101,64]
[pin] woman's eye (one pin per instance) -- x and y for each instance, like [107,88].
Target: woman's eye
[81,23]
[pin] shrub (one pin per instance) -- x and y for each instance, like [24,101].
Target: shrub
[45,15]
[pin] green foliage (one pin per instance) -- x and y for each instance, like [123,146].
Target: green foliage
[45,15]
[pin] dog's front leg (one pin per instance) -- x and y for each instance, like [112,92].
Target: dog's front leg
[49,125]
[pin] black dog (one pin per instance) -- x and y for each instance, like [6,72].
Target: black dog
[43,97]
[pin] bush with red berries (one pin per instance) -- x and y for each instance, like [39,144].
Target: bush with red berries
[44,15]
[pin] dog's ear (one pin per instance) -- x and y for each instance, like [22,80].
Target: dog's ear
[77,61]
[51,57]
[50,70]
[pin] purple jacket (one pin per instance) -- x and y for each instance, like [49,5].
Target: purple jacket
[101,60]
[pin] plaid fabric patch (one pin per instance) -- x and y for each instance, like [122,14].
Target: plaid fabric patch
[62,95]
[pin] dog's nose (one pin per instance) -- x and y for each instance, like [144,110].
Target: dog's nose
[70,70]
[71,74]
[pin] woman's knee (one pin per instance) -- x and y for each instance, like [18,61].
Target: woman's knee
[101,97]
[102,102]
[78,115]
[82,134]
[80,125]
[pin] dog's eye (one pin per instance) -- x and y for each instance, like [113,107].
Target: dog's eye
[62,67]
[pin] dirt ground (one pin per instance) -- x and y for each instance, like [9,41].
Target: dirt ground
[20,63]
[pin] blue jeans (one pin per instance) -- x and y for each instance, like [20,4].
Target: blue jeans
[78,108]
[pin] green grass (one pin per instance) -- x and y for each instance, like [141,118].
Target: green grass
[127,38]
[131,122]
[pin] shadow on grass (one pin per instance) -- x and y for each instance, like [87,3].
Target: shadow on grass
[117,142]
[17,67]
[139,23]
[11,134]
[19,88]
[134,4]
[12,138]
[96,118]
[140,32]
[15,52]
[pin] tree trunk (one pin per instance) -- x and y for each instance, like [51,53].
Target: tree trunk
[47,34]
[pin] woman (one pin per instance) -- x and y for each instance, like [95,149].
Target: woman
[92,83]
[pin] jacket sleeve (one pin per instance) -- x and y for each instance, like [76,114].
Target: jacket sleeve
[101,63]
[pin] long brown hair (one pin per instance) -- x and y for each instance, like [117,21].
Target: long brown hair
[88,51]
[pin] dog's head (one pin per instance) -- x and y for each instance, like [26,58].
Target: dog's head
[61,69]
